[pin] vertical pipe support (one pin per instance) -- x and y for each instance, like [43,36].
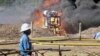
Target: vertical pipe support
[80,28]
[31,29]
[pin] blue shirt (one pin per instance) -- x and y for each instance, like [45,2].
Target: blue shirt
[25,44]
[97,35]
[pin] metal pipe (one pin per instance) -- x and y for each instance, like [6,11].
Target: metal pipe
[70,44]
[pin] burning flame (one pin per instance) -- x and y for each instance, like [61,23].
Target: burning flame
[48,3]
[39,18]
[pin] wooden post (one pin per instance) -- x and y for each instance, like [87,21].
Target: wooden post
[80,28]
[31,29]
[36,54]
[60,54]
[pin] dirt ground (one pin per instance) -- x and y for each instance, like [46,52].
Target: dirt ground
[70,50]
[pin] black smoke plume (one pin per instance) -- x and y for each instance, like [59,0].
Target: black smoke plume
[74,11]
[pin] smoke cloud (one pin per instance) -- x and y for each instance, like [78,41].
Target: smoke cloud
[74,11]
[17,11]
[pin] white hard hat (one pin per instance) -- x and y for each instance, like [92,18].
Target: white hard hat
[45,12]
[25,27]
[53,11]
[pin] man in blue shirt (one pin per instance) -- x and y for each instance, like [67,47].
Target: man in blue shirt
[25,44]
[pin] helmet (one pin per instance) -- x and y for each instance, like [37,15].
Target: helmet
[25,27]
[45,12]
[53,11]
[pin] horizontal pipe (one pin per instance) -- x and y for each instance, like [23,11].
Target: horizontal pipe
[48,38]
[69,44]
[61,38]
[43,39]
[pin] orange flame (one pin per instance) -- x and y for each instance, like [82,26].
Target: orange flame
[48,3]
[62,29]
[39,20]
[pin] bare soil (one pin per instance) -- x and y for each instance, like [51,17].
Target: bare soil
[11,32]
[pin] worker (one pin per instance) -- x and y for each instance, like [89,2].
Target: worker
[97,35]
[47,16]
[25,44]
